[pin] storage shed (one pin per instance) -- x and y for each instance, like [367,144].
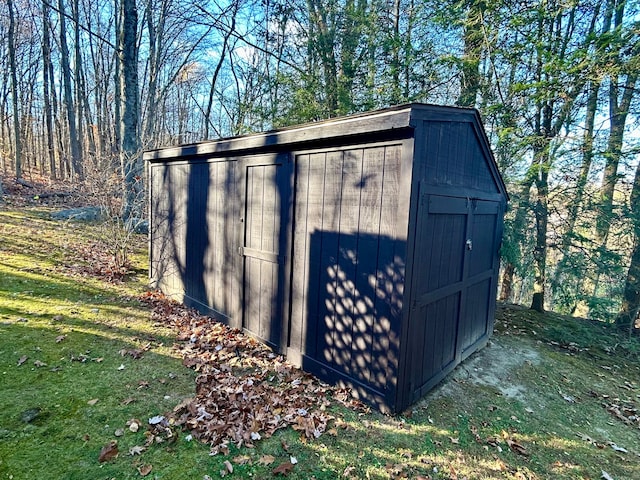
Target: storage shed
[365,248]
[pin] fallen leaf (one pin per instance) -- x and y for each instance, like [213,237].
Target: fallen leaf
[119,432]
[136,450]
[135,354]
[145,470]
[127,401]
[38,363]
[516,447]
[453,475]
[156,419]
[348,471]
[606,476]
[228,466]
[617,448]
[60,338]
[241,459]
[293,460]
[22,359]
[266,460]
[109,451]
[283,469]
[93,401]
[134,426]
[396,471]
[455,441]
[121,367]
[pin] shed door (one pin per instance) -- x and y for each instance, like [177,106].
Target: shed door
[265,189]
[457,241]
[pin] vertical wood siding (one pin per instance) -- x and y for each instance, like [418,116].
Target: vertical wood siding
[455,157]
[193,218]
[456,253]
[345,296]
[265,190]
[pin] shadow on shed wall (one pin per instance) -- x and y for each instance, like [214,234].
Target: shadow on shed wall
[198,231]
[194,235]
[353,311]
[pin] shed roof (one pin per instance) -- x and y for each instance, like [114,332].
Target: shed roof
[398,119]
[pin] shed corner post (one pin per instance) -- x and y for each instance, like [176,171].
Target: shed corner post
[412,148]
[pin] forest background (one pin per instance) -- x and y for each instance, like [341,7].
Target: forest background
[88,85]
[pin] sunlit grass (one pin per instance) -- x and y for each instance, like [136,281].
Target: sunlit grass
[74,330]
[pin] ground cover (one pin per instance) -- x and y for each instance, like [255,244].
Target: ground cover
[89,357]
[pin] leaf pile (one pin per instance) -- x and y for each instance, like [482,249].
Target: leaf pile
[244,391]
[96,260]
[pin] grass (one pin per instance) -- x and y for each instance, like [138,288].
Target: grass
[531,405]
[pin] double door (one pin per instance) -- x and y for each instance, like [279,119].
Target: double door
[454,282]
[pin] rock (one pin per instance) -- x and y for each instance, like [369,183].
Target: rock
[30,415]
[82,214]
[138,225]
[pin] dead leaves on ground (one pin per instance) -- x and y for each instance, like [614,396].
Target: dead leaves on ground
[244,392]
[624,409]
[283,469]
[96,260]
[108,452]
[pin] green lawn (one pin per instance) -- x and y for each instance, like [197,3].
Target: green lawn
[81,356]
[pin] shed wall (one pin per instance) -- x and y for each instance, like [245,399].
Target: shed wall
[194,212]
[457,230]
[348,275]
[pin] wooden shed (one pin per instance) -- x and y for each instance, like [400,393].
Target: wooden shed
[365,248]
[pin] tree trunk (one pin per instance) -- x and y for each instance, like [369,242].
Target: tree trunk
[130,154]
[79,88]
[322,18]
[17,135]
[470,64]
[575,203]
[46,81]
[628,313]
[74,144]
[540,249]
[216,73]
[585,167]
[506,289]
[618,111]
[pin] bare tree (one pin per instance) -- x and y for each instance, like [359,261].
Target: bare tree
[130,152]
[14,91]
[74,142]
